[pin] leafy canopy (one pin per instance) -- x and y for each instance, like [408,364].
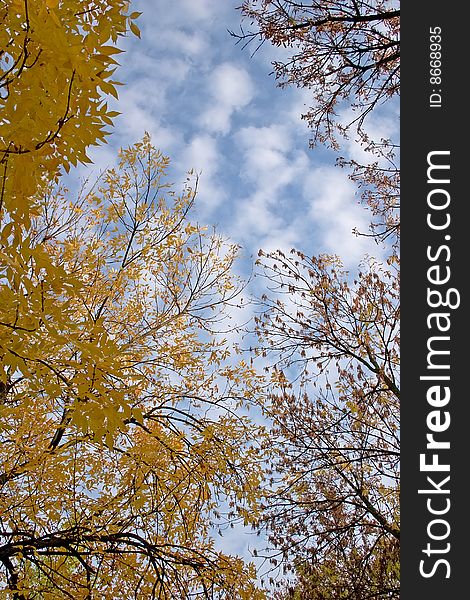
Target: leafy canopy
[57,60]
[118,434]
[105,339]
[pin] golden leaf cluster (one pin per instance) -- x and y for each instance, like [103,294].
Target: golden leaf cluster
[119,439]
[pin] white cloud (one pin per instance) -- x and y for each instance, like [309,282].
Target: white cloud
[231,89]
[231,85]
[138,108]
[269,217]
[179,14]
[190,44]
[202,10]
[269,161]
[335,211]
[137,118]
[202,155]
[255,216]
[274,137]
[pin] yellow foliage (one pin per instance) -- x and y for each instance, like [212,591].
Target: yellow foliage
[116,444]
[56,66]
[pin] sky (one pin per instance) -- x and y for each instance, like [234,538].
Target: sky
[213,107]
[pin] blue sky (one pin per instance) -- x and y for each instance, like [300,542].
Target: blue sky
[213,108]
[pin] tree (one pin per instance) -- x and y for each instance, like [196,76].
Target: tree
[376,578]
[379,182]
[334,510]
[347,54]
[105,340]
[119,437]
[346,50]
[56,61]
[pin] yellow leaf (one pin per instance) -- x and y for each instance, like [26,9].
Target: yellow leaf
[135,30]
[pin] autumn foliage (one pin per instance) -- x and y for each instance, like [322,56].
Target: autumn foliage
[334,350]
[346,53]
[123,435]
[330,338]
[56,65]
[118,435]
